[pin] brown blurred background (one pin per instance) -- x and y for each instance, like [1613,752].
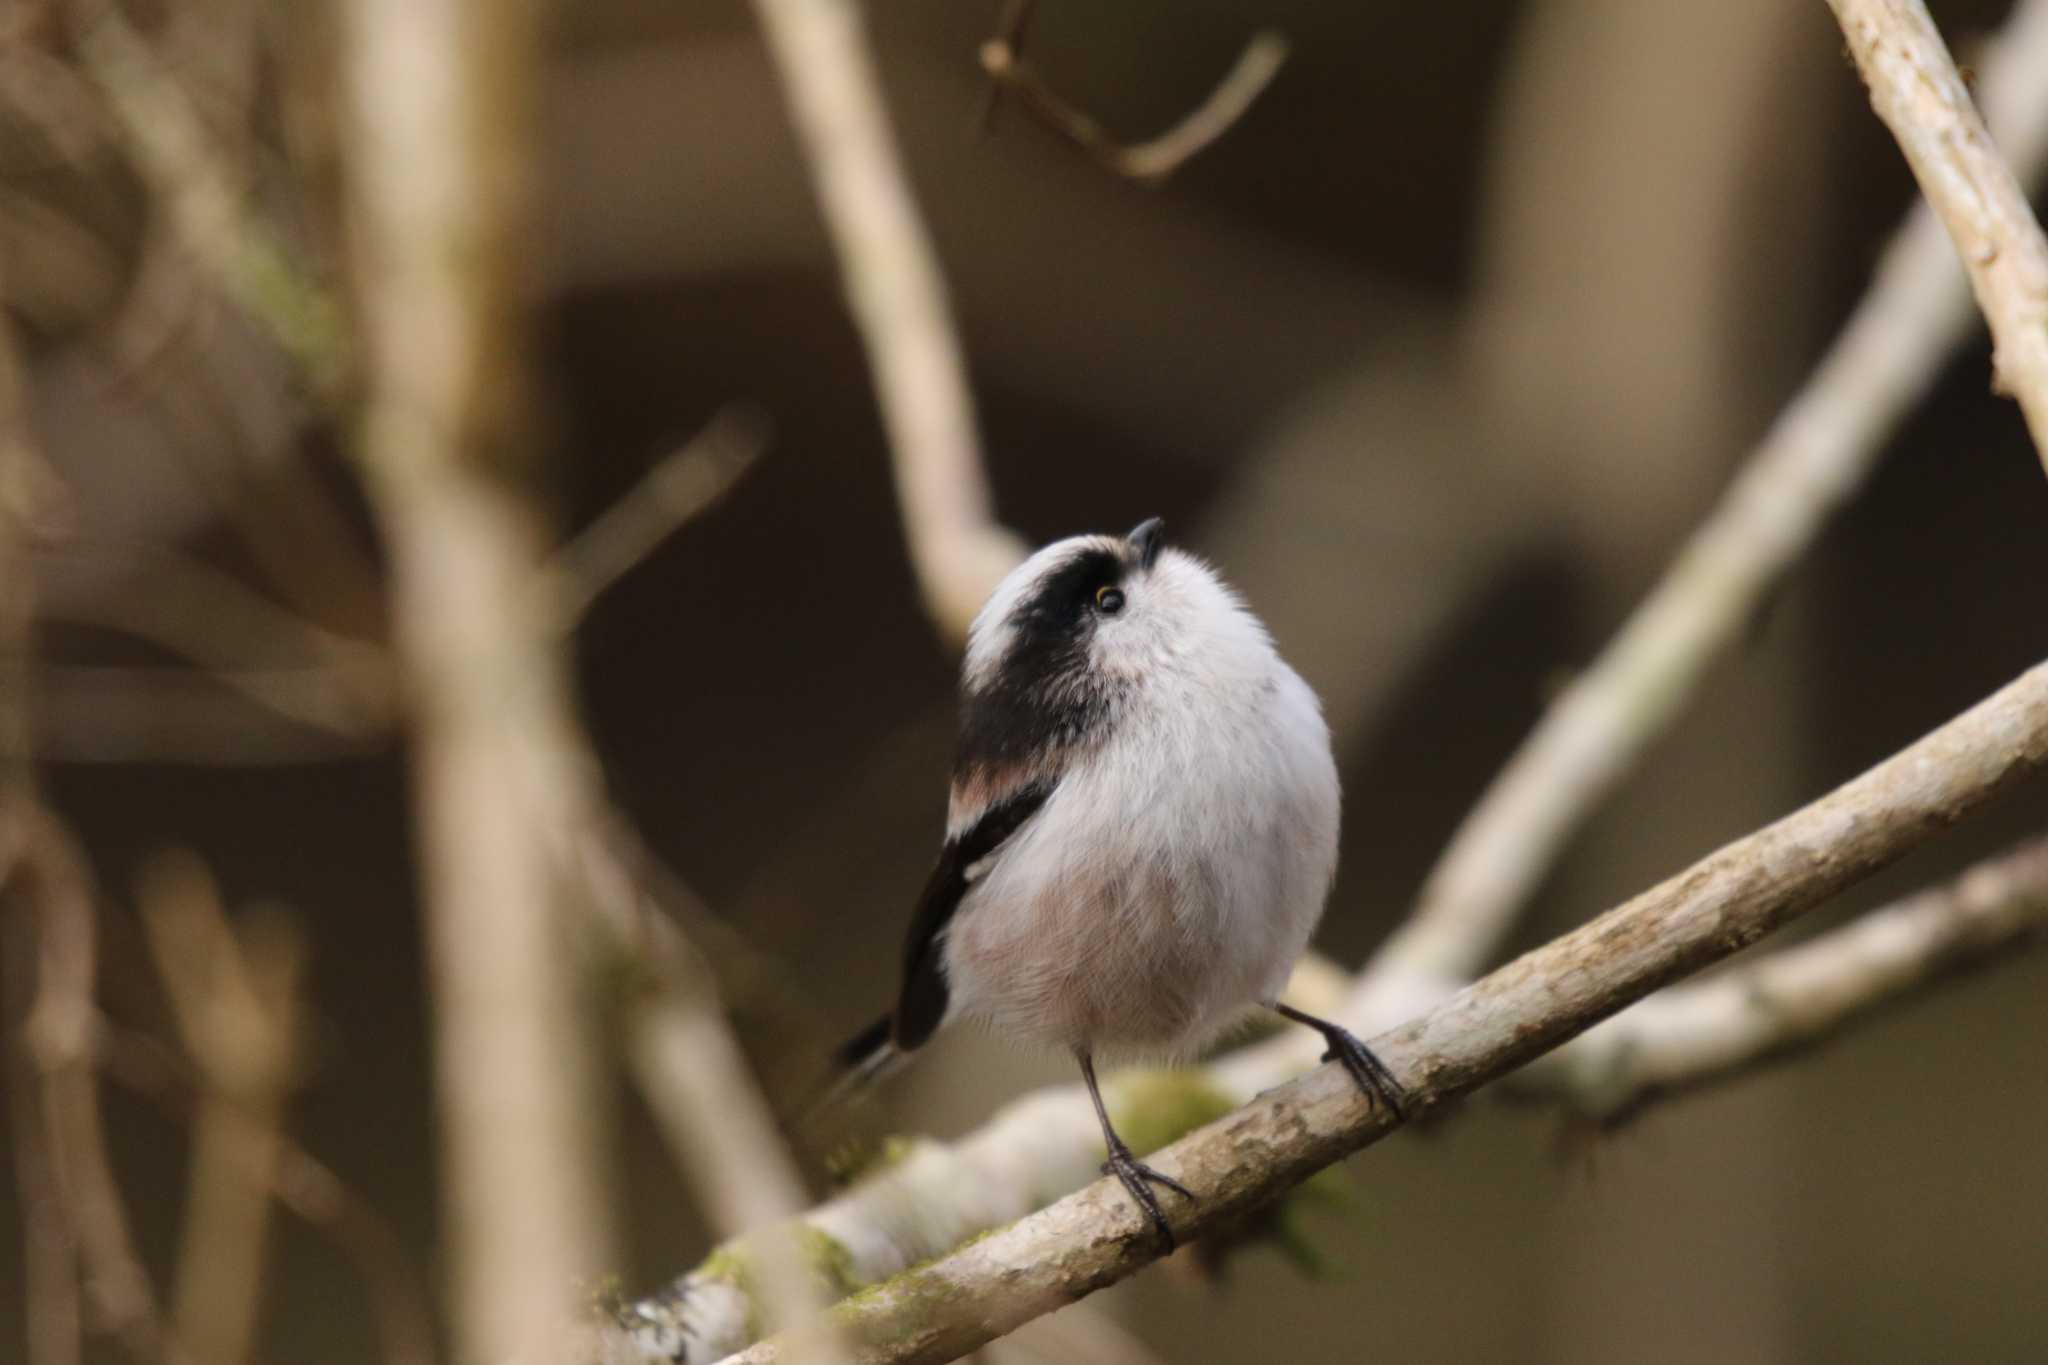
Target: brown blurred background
[1438,354]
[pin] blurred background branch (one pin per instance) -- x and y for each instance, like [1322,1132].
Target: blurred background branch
[892,281]
[1149,162]
[1708,1032]
[441,100]
[1812,459]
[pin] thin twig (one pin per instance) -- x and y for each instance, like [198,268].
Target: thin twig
[1917,91]
[215,620]
[1810,461]
[1707,1032]
[178,715]
[52,1315]
[1152,161]
[301,1183]
[59,1033]
[51,1307]
[1011,27]
[683,1055]
[680,487]
[235,1000]
[174,152]
[898,298]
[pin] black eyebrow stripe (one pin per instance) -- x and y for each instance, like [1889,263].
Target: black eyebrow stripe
[1071,585]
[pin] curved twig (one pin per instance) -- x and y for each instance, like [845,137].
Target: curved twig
[1152,161]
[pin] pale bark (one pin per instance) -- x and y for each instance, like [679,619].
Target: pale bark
[898,297]
[1810,461]
[1742,1019]
[935,1197]
[1917,91]
[439,93]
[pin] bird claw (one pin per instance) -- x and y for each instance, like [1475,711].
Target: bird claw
[1138,1179]
[1367,1069]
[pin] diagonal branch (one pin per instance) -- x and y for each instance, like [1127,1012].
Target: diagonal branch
[935,1197]
[685,483]
[1809,463]
[899,302]
[1917,91]
[1747,1017]
[1720,905]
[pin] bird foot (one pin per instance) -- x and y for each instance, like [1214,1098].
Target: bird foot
[1138,1179]
[1366,1068]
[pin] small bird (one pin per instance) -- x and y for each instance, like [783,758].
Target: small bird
[1141,833]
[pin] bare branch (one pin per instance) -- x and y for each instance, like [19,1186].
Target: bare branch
[302,1184]
[899,302]
[61,891]
[682,485]
[215,620]
[235,999]
[207,718]
[683,1054]
[1810,461]
[440,97]
[1917,91]
[52,1317]
[174,152]
[51,1306]
[1749,1016]
[933,1197]
[1715,908]
[1150,162]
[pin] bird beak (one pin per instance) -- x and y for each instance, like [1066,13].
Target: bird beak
[1147,539]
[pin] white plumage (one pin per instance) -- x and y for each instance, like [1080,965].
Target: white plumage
[1180,865]
[1142,827]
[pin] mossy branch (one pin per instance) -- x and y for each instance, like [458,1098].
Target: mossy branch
[938,1197]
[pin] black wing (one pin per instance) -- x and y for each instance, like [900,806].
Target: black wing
[922,1005]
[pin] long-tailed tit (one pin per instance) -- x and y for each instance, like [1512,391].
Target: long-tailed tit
[1142,830]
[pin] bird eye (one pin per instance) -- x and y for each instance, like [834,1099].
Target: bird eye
[1108,600]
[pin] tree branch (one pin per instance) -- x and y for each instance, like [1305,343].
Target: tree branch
[301,1183]
[899,302]
[935,1197]
[1917,91]
[1152,161]
[56,876]
[440,98]
[683,484]
[1812,459]
[691,1069]
[235,1000]
[218,622]
[1750,1016]
[175,154]
[1715,908]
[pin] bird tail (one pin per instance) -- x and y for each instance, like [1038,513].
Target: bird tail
[857,1064]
